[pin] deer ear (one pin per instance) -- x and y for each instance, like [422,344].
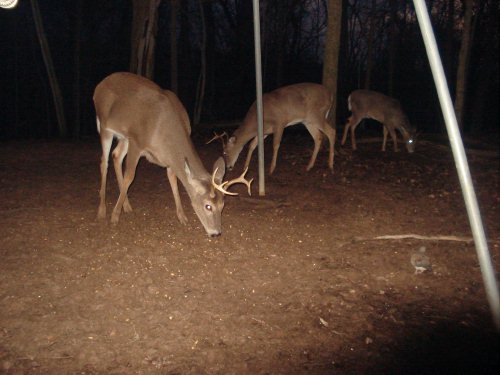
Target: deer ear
[194,183]
[220,165]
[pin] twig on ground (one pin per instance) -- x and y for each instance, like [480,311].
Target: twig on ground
[421,237]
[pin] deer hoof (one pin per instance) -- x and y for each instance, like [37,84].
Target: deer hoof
[115,218]
[127,207]
[101,214]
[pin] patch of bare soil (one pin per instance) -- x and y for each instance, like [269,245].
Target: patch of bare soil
[296,284]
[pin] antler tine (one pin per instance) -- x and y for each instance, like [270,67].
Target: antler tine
[221,186]
[218,136]
[240,180]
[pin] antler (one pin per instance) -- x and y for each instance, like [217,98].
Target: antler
[218,136]
[241,180]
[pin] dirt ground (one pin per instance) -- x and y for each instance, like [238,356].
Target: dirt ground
[296,284]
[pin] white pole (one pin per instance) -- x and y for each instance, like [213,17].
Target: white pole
[457,147]
[258,88]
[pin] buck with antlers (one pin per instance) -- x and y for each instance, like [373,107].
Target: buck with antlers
[306,103]
[386,110]
[151,122]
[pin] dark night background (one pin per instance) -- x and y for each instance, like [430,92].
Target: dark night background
[27,109]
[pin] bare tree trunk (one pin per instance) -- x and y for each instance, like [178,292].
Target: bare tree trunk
[282,41]
[450,38]
[144,27]
[174,73]
[369,47]
[200,88]
[392,45]
[331,56]
[47,58]
[463,59]
[77,67]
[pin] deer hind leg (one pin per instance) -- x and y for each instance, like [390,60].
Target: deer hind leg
[317,137]
[172,178]
[106,142]
[277,135]
[131,165]
[331,134]
[119,153]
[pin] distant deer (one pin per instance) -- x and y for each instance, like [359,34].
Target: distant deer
[151,122]
[306,103]
[373,105]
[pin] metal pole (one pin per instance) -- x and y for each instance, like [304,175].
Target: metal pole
[258,87]
[457,147]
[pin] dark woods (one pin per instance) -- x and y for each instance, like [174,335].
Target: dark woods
[212,41]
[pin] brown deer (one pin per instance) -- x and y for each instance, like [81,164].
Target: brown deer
[306,103]
[374,105]
[151,122]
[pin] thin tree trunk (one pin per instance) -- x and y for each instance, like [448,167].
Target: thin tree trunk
[77,67]
[463,59]
[450,39]
[200,88]
[47,58]
[392,46]
[174,73]
[282,42]
[369,47]
[144,26]
[331,56]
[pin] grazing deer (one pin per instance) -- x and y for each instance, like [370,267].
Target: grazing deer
[151,122]
[373,105]
[306,103]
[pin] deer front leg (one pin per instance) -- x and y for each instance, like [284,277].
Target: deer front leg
[132,160]
[278,133]
[352,124]
[384,142]
[106,141]
[172,178]
[394,139]
[119,153]
[251,148]
[393,136]
[346,129]
[353,136]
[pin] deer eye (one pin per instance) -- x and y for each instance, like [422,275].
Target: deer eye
[208,207]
